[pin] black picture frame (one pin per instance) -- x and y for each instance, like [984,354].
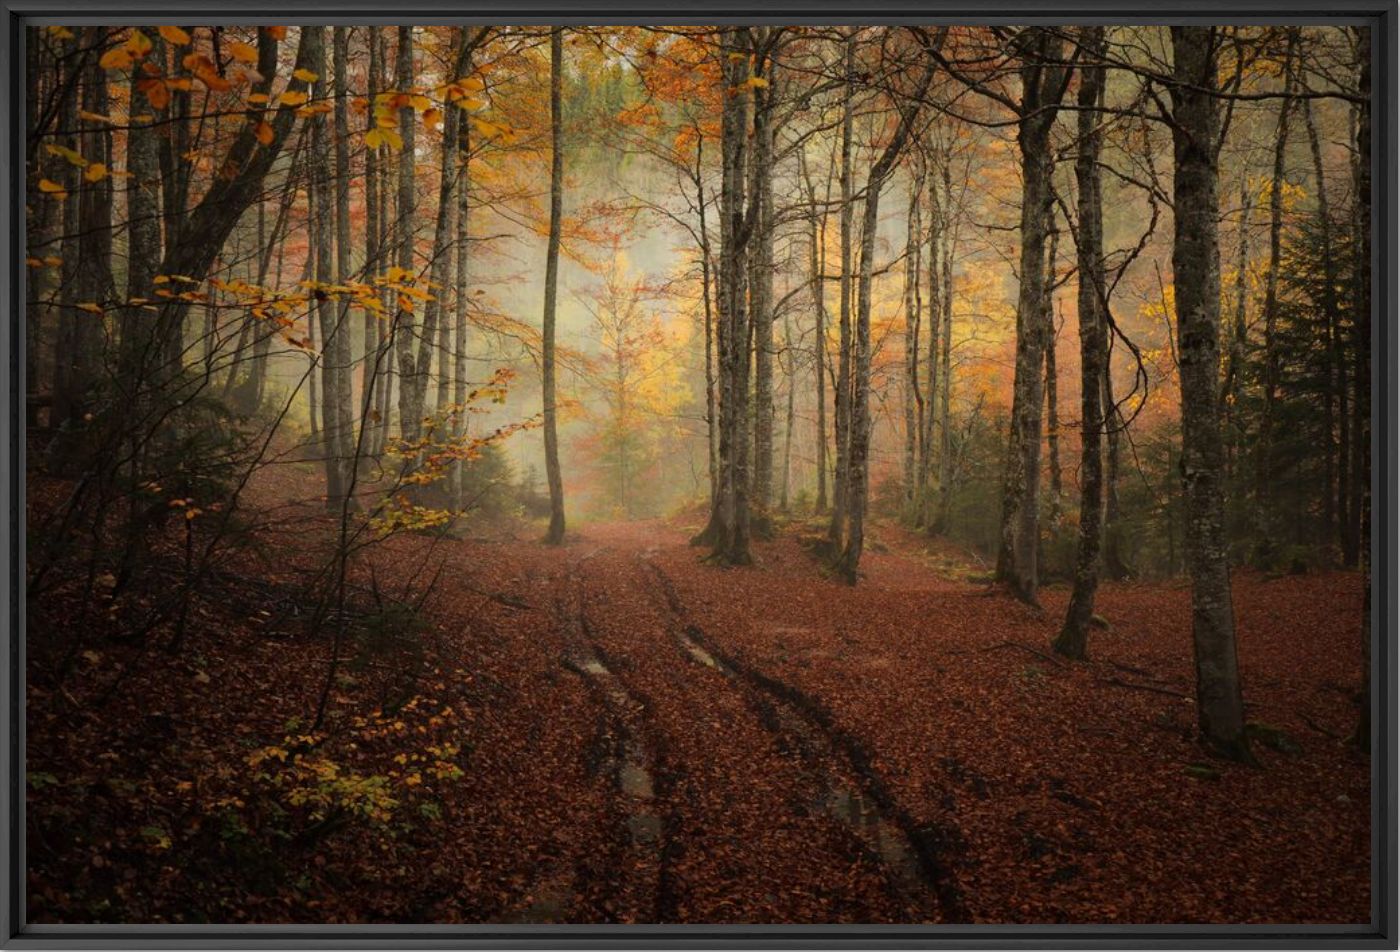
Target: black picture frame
[1380,933]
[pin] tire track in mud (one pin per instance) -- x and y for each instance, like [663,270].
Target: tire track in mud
[915,857]
[745,837]
[627,754]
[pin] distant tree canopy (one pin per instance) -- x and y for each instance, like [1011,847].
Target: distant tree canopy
[1094,301]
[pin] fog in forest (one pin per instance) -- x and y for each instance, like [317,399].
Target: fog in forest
[406,371]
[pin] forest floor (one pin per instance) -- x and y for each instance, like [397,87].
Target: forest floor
[613,730]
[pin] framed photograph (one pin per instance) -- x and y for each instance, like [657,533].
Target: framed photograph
[600,475]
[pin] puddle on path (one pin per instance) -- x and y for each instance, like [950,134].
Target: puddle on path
[844,802]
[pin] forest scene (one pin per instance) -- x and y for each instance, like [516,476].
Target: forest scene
[698,474]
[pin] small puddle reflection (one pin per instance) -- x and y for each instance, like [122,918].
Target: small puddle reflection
[698,653]
[859,813]
[645,829]
[635,781]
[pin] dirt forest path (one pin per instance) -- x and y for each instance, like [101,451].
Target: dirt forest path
[776,746]
[714,767]
[617,731]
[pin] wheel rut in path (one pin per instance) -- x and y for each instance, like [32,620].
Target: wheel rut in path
[914,856]
[627,755]
[745,837]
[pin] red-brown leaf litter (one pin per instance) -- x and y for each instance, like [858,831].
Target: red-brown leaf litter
[617,731]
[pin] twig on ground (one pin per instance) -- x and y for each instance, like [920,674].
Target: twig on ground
[1035,651]
[1117,682]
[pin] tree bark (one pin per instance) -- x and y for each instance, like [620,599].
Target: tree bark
[1239,333]
[1196,265]
[551,286]
[412,377]
[193,240]
[143,234]
[333,427]
[728,531]
[1265,475]
[706,280]
[338,345]
[761,281]
[1042,87]
[791,412]
[1073,639]
[816,266]
[840,484]
[1052,380]
[858,474]
[456,487]
[948,237]
[94,267]
[913,473]
[1332,395]
[928,450]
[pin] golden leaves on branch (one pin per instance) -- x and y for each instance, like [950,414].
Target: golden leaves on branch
[93,172]
[207,73]
[174,35]
[243,52]
[382,137]
[136,47]
[387,107]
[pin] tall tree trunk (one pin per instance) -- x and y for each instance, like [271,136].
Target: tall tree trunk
[432,340]
[930,451]
[840,487]
[332,426]
[858,474]
[1115,563]
[1265,469]
[338,346]
[761,281]
[246,394]
[373,367]
[913,473]
[706,280]
[1239,333]
[1042,87]
[1093,353]
[551,286]
[1196,265]
[412,377]
[816,265]
[728,531]
[314,399]
[194,239]
[791,411]
[948,235]
[143,235]
[43,79]
[456,481]
[94,270]
[1052,380]
[1331,396]
[389,250]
